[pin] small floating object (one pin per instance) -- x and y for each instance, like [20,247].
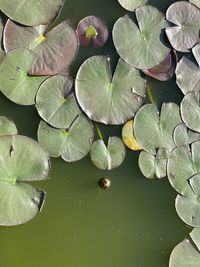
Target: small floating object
[104,183]
[93,29]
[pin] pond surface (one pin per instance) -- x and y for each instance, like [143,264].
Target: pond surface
[133,224]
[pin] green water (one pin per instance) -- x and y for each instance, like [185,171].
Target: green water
[133,224]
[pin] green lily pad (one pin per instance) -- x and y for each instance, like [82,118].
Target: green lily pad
[185,254]
[71,144]
[131,5]
[55,49]
[195,2]
[195,235]
[107,99]
[183,164]
[55,102]
[1,35]
[187,76]
[31,13]
[153,131]
[110,156]
[128,136]
[14,80]
[141,46]
[153,166]
[190,111]
[183,136]
[188,210]
[22,159]
[186,17]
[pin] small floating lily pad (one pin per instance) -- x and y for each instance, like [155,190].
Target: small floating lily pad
[188,210]
[196,53]
[165,70]
[141,46]
[55,49]
[71,144]
[14,80]
[131,5]
[186,17]
[55,102]
[187,76]
[190,111]
[186,253]
[110,156]
[31,12]
[183,136]
[93,29]
[7,127]
[153,166]
[155,131]
[22,159]
[128,136]
[107,99]
[183,164]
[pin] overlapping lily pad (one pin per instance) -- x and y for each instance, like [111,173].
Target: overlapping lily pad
[196,53]
[183,164]
[31,12]
[155,131]
[195,2]
[190,111]
[107,99]
[55,49]
[93,29]
[187,254]
[110,156]
[128,136]
[165,70]
[22,159]
[131,5]
[7,127]
[15,83]
[55,102]
[183,136]
[153,166]
[186,17]
[1,34]
[71,144]
[141,46]
[187,75]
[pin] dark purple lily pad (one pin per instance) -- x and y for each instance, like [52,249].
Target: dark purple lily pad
[165,70]
[55,49]
[93,29]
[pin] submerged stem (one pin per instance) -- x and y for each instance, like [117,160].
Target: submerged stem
[99,132]
[150,96]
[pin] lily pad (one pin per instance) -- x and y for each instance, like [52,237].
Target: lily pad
[165,70]
[141,46]
[71,144]
[183,164]
[93,29]
[31,13]
[186,17]
[107,99]
[131,5]
[22,159]
[55,102]
[195,2]
[110,156]
[1,35]
[188,210]
[153,131]
[7,127]
[55,49]
[153,166]
[187,76]
[128,136]
[190,111]
[14,80]
[185,254]
[183,136]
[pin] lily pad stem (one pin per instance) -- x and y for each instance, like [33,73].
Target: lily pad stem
[99,132]
[150,96]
